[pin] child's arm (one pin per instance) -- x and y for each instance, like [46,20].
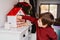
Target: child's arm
[32,19]
[52,34]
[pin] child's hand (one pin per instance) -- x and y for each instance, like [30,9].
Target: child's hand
[20,22]
[19,17]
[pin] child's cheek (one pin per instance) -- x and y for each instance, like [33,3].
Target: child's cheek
[39,24]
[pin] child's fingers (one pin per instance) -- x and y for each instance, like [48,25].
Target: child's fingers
[20,24]
[21,20]
[19,17]
[17,20]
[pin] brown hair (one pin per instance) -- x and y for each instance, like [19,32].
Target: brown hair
[47,18]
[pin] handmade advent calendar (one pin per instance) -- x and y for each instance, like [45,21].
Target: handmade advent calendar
[11,16]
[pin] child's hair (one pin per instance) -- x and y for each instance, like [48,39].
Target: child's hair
[47,18]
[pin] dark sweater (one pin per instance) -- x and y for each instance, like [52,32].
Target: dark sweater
[42,33]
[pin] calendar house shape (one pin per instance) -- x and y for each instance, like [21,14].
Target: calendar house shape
[11,16]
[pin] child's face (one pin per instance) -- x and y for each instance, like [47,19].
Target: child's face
[40,24]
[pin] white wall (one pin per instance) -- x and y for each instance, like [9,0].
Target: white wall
[24,1]
[5,7]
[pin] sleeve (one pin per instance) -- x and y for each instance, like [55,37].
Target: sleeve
[52,34]
[32,19]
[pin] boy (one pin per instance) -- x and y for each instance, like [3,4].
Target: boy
[44,31]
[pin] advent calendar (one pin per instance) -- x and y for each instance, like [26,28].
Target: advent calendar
[11,16]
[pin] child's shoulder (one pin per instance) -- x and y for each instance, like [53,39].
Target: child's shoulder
[50,29]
